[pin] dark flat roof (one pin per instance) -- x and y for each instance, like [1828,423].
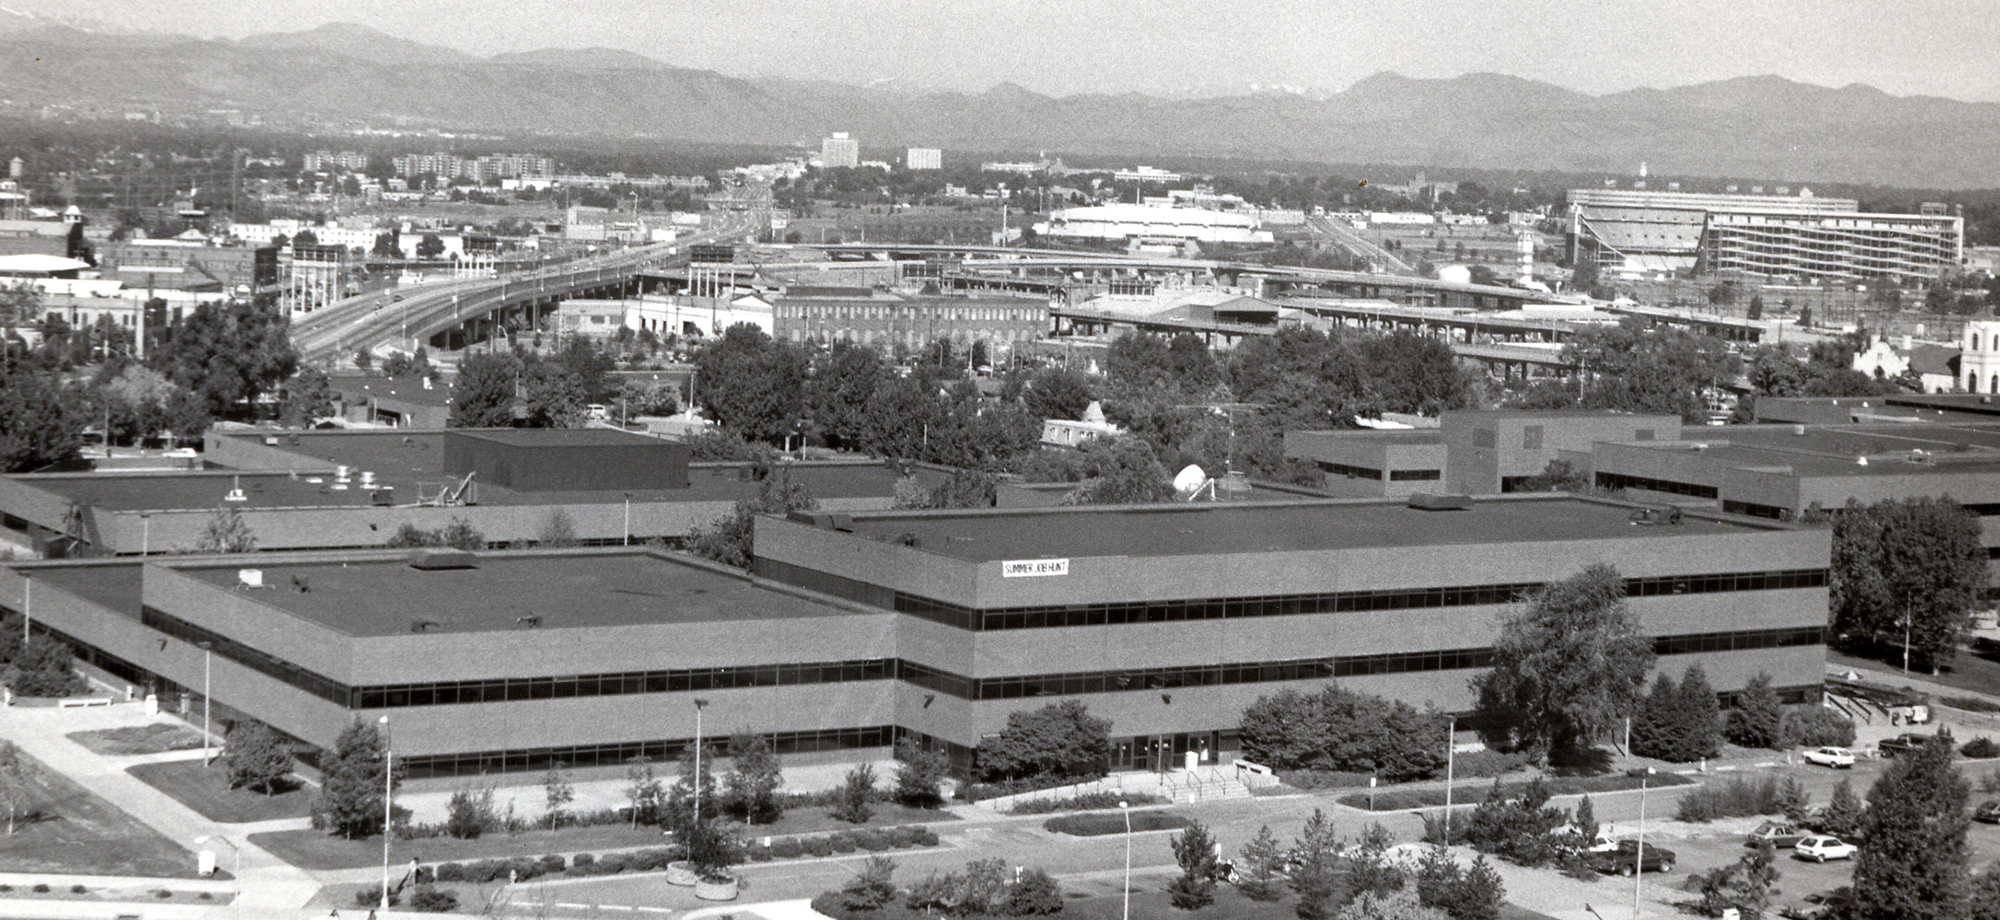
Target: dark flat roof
[205,490]
[381,597]
[556,438]
[1202,529]
[356,388]
[1853,440]
[114,585]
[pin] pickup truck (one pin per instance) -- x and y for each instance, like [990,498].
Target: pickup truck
[1904,743]
[1625,859]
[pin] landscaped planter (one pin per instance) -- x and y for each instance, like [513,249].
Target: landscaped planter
[681,872]
[711,889]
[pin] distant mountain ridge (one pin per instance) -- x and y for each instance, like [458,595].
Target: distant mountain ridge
[1765,126]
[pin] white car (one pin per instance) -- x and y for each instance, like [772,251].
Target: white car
[1821,849]
[1836,757]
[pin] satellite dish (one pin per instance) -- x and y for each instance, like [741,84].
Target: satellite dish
[1189,479]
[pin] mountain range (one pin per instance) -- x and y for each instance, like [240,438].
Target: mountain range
[1762,127]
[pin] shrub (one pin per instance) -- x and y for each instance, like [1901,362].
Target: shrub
[1971,703]
[874,841]
[757,853]
[1739,798]
[1483,764]
[787,848]
[1981,747]
[652,860]
[6,888]
[819,846]
[41,887]
[372,897]
[1035,895]
[551,864]
[842,842]
[162,893]
[432,900]
[1094,825]
[77,889]
[613,863]
[1085,802]
[472,812]
[450,872]
[1815,726]
[1322,779]
[926,837]
[206,896]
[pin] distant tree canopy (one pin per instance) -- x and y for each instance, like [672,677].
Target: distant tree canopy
[527,390]
[1635,367]
[228,353]
[37,426]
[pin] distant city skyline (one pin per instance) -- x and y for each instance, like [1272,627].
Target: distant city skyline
[1931,47]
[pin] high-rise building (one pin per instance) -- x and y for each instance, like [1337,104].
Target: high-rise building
[923,158]
[839,151]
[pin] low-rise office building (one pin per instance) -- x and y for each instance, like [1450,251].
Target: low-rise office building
[858,630]
[353,489]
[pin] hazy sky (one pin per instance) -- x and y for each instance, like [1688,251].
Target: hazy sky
[1940,47]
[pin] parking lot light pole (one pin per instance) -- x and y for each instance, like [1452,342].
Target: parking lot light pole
[1125,808]
[388,806]
[207,656]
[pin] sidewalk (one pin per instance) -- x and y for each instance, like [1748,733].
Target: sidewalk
[265,883]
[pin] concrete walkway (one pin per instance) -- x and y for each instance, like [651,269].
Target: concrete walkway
[265,883]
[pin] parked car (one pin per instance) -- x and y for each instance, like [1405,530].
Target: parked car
[1838,758]
[1821,849]
[1779,836]
[1627,858]
[1901,744]
[1988,811]
[1818,905]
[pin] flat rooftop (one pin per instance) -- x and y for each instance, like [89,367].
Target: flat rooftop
[1855,440]
[1752,456]
[383,597]
[411,464]
[113,585]
[1204,529]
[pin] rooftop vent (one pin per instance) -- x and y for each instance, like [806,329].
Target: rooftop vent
[531,621]
[270,440]
[249,578]
[432,560]
[907,539]
[1798,429]
[417,626]
[1429,501]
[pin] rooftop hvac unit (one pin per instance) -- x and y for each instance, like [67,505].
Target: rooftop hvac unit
[417,626]
[249,578]
[1429,501]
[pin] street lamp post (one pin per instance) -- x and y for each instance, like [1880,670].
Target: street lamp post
[145,534]
[207,657]
[1125,808]
[628,519]
[1639,855]
[1450,758]
[698,705]
[388,806]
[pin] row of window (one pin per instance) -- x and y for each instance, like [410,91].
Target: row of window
[518,760]
[1668,486]
[1336,602]
[963,687]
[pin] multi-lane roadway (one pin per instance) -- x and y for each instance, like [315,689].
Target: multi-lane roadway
[403,318]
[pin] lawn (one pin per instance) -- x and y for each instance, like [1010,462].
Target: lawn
[310,849]
[206,790]
[82,834]
[1972,671]
[134,740]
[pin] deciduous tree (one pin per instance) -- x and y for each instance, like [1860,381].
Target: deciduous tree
[37,427]
[1570,665]
[225,532]
[256,757]
[1058,740]
[920,775]
[1907,572]
[754,777]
